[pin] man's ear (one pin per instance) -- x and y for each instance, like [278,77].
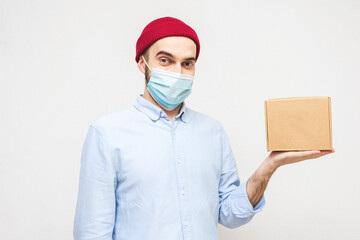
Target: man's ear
[141,65]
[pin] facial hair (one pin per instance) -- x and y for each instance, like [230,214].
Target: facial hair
[147,75]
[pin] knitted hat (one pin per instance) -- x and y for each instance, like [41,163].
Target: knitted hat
[161,28]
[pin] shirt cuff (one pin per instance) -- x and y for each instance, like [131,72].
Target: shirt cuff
[243,206]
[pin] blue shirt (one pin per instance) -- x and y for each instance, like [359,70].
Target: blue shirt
[145,177]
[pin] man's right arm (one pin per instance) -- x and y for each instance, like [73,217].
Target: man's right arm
[95,209]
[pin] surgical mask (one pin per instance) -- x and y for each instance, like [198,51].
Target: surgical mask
[169,89]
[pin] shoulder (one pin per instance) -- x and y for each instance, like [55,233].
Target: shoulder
[204,120]
[113,120]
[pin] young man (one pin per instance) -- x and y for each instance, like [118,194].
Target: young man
[160,170]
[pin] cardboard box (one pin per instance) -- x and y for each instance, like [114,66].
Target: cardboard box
[298,123]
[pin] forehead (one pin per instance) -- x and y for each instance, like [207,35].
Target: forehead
[176,45]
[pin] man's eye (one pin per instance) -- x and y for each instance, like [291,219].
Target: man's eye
[163,60]
[188,64]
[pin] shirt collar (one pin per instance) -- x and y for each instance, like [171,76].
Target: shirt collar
[154,112]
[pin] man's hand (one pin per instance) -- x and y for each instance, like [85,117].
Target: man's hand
[257,183]
[279,158]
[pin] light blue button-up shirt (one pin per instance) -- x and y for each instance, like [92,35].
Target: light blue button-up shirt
[145,177]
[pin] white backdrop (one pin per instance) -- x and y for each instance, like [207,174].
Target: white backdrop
[63,64]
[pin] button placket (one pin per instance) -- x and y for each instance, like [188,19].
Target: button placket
[181,181]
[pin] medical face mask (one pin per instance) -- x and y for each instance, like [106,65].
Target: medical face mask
[169,89]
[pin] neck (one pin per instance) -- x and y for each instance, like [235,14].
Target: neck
[170,114]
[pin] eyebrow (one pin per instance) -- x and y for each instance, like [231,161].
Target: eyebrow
[172,56]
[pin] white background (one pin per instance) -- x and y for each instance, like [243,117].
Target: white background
[63,64]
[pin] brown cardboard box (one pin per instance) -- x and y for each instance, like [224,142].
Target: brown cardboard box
[298,123]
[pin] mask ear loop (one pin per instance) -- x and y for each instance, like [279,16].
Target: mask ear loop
[145,62]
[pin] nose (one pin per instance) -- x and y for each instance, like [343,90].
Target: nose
[178,68]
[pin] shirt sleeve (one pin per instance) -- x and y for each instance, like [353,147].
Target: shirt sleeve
[235,208]
[95,208]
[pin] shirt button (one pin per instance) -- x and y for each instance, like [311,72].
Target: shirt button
[186,223]
[178,161]
[182,192]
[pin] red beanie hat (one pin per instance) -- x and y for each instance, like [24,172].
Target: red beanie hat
[164,27]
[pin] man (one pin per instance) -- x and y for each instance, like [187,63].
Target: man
[160,170]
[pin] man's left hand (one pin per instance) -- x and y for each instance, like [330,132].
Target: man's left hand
[279,158]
